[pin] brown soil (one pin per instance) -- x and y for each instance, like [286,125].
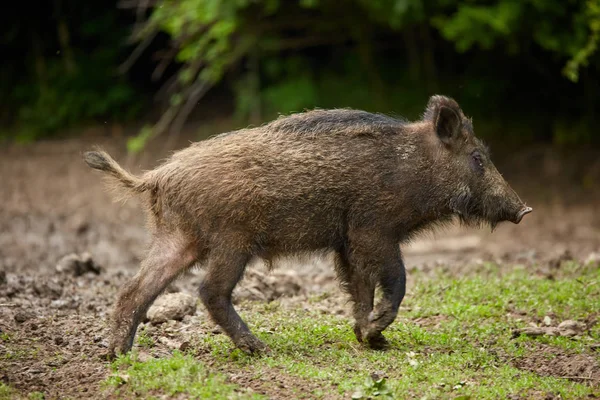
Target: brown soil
[551,361]
[54,323]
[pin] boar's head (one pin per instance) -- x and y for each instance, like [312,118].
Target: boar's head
[477,192]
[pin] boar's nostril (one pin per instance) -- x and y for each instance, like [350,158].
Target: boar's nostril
[522,213]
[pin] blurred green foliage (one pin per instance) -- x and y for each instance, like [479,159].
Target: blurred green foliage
[526,70]
[60,68]
[67,99]
[514,63]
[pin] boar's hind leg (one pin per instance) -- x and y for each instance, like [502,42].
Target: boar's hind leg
[392,280]
[361,287]
[225,269]
[169,255]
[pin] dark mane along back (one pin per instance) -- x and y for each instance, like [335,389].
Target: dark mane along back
[347,121]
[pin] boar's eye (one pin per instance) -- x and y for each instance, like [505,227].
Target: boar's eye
[477,161]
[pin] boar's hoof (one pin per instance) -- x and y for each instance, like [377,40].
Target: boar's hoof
[376,341]
[251,345]
[118,347]
[113,353]
[110,355]
[373,339]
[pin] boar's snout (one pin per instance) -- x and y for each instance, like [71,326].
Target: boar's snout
[524,211]
[514,208]
[503,203]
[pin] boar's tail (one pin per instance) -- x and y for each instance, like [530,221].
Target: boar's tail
[101,161]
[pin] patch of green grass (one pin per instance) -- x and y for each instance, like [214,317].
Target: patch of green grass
[453,338]
[144,339]
[16,354]
[6,392]
[481,297]
[179,374]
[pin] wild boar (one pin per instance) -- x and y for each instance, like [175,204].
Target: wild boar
[350,182]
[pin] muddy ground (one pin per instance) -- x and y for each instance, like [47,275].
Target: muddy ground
[51,206]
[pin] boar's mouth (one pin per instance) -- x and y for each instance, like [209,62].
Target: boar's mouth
[521,214]
[473,212]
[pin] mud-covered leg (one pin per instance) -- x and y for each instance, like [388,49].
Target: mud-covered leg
[224,272]
[361,288]
[392,280]
[167,258]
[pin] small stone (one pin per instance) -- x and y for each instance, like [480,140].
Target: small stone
[48,288]
[547,321]
[172,344]
[171,306]
[591,259]
[570,324]
[67,263]
[184,346]
[62,304]
[23,315]
[144,356]
[35,370]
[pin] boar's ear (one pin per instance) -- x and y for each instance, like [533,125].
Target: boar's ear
[445,114]
[447,124]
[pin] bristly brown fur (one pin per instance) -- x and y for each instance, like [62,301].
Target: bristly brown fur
[347,181]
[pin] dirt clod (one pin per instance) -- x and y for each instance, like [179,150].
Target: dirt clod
[23,315]
[171,306]
[48,288]
[268,286]
[551,361]
[556,263]
[78,265]
[568,328]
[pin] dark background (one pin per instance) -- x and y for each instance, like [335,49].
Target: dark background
[525,70]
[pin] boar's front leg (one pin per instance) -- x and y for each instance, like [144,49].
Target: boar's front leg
[360,285]
[392,280]
[225,269]
[374,258]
